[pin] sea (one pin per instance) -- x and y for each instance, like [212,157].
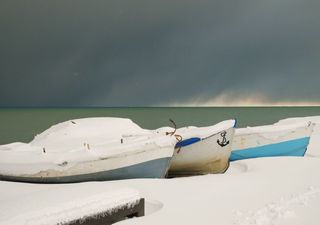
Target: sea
[22,124]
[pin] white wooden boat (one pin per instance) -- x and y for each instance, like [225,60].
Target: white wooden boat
[88,150]
[271,140]
[203,150]
[313,149]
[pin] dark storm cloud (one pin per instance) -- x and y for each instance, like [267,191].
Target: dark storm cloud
[129,53]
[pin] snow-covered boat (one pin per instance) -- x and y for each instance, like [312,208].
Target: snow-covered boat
[203,150]
[313,147]
[271,140]
[88,149]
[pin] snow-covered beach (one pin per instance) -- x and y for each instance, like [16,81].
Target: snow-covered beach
[262,191]
[252,192]
[159,112]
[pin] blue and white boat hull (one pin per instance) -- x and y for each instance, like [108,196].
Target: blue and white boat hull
[271,141]
[88,149]
[151,163]
[202,152]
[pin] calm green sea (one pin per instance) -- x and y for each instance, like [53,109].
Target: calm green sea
[22,124]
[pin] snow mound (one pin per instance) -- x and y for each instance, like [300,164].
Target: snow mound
[88,130]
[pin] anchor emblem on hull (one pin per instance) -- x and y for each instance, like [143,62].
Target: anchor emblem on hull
[224,141]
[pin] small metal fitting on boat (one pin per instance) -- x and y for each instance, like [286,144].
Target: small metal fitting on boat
[86,145]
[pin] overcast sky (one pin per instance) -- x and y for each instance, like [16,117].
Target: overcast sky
[159,53]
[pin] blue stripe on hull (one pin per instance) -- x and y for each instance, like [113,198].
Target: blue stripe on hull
[187,142]
[295,147]
[151,169]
